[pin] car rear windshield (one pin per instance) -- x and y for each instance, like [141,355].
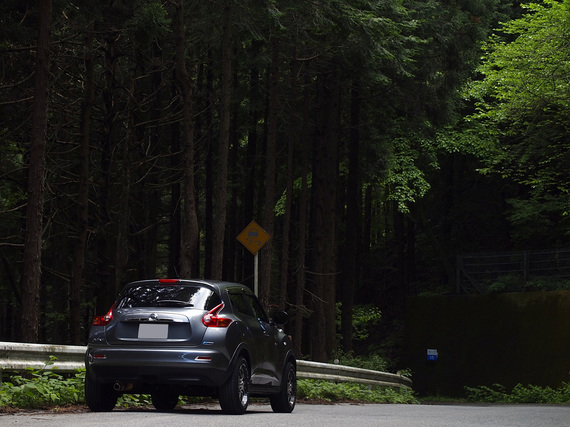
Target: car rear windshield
[149,295]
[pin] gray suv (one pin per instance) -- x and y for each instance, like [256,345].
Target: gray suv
[171,337]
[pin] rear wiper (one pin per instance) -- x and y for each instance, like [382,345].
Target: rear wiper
[173,303]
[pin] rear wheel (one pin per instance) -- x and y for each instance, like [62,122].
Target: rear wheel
[99,397]
[285,400]
[234,394]
[164,400]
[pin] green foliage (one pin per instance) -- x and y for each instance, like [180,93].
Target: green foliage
[40,388]
[364,319]
[46,388]
[342,392]
[519,394]
[297,185]
[149,24]
[522,101]
[547,284]
[524,95]
[128,400]
[372,361]
[538,216]
[405,180]
[493,394]
[527,75]
[507,283]
[515,283]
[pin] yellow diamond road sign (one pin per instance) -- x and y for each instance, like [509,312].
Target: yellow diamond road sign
[253,237]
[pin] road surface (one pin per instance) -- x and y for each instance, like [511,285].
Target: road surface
[356,415]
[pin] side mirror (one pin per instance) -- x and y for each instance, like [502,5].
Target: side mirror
[280,317]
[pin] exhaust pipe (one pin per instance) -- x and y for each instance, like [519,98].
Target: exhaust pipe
[119,386]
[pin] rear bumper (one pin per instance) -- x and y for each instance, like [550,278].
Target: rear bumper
[157,366]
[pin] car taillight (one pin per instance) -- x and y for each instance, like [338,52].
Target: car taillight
[212,320]
[104,320]
[168,282]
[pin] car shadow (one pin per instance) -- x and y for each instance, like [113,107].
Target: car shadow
[197,409]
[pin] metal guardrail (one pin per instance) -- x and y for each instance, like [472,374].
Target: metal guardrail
[19,356]
[68,358]
[341,373]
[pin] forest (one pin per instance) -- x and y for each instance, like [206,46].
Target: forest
[373,140]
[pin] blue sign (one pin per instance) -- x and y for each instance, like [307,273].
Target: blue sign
[432,354]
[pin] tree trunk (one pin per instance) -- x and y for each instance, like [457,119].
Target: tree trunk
[323,213]
[367,226]
[250,181]
[174,240]
[220,187]
[83,196]
[350,271]
[330,217]
[233,221]
[32,263]
[269,217]
[190,231]
[289,192]
[106,293]
[209,205]
[123,214]
[300,279]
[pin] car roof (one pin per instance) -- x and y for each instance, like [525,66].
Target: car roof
[218,285]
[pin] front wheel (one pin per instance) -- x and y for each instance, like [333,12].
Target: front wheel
[99,397]
[285,400]
[234,394]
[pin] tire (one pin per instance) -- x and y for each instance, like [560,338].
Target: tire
[285,400]
[99,397]
[164,401]
[234,394]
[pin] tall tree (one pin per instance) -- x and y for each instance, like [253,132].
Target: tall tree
[323,213]
[32,265]
[220,187]
[269,212]
[190,231]
[352,239]
[107,148]
[291,139]
[77,273]
[300,277]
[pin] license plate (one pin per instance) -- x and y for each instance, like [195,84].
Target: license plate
[152,331]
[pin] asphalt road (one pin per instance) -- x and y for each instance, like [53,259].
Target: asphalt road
[310,415]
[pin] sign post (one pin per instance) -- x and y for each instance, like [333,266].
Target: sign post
[253,237]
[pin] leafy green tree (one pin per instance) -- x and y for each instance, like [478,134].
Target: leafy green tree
[522,102]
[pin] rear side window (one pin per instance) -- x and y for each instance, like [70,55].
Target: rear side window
[257,308]
[240,304]
[145,295]
[248,305]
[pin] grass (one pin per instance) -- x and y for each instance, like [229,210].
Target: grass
[320,390]
[519,394]
[497,393]
[41,389]
[46,388]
